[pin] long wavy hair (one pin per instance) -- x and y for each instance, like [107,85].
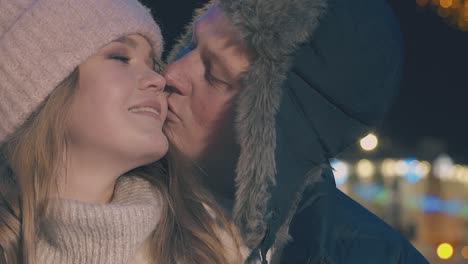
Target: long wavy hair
[29,163]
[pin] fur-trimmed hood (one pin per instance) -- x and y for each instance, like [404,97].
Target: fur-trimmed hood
[323,74]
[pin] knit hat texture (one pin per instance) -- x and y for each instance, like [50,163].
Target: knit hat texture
[43,41]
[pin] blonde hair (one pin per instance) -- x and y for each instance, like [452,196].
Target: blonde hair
[192,225]
[30,159]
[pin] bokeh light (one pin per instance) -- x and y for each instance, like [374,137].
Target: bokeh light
[340,171]
[443,166]
[445,251]
[423,168]
[388,168]
[401,168]
[369,142]
[464,252]
[446,3]
[454,12]
[365,169]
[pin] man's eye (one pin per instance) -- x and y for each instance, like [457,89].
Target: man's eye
[213,81]
[121,58]
[210,78]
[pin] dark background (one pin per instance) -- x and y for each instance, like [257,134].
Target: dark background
[431,107]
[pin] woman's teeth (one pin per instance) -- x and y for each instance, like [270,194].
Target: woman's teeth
[144,109]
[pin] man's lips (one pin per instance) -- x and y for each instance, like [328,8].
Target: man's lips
[171,113]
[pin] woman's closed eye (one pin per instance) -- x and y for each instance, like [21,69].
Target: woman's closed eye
[120,57]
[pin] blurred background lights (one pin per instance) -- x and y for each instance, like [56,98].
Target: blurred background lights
[446,3]
[401,168]
[369,142]
[365,169]
[445,251]
[453,207]
[454,12]
[443,166]
[388,168]
[413,174]
[458,172]
[340,171]
[423,168]
[432,204]
[464,252]
[464,179]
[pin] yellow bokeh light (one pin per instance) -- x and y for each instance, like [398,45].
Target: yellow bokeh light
[425,168]
[445,251]
[446,3]
[459,172]
[365,169]
[369,142]
[388,168]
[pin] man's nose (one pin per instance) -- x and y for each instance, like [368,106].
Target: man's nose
[177,78]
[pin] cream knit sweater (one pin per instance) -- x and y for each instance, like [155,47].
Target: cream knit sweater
[114,233]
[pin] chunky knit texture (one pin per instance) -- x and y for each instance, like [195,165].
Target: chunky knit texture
[114,233]
[43,41]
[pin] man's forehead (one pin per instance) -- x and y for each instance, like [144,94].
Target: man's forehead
[214,22]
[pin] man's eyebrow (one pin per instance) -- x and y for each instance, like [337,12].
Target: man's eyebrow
[133,44]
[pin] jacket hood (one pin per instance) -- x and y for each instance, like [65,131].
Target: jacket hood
[323,74]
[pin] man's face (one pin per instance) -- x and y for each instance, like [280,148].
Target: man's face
[205,81]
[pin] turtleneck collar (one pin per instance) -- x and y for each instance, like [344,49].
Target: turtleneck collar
[75,232]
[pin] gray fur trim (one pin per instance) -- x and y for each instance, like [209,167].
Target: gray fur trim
[271,30]
[256,168]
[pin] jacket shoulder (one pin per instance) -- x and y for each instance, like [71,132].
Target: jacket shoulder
[336,229]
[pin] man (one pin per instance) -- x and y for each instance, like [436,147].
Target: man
[263,93]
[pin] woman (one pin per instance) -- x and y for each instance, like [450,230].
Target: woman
[81,118]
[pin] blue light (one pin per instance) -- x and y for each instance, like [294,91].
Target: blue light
[412,175]
[431,204]
[453,207]
[340,171]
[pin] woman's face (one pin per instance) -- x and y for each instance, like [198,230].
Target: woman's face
[119,106]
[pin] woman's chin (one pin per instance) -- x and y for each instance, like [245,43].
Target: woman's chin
[158,150]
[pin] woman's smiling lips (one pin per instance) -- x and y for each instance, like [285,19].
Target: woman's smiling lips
[149,108]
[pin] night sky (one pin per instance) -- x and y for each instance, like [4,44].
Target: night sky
[432,103]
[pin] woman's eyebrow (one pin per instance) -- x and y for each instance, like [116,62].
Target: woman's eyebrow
[133,44]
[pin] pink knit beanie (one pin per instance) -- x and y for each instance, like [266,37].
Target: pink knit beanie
[43,41]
